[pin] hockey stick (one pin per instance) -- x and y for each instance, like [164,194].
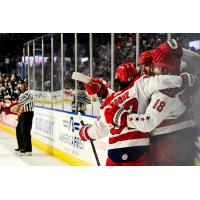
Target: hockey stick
[91,142]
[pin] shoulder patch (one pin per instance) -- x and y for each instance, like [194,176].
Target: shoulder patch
[170,92]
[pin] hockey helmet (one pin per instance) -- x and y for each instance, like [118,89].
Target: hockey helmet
[145,57]
[125,72]
[170,62]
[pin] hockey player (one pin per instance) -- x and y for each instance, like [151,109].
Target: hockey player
[145,61]
[127,146]
[174,134]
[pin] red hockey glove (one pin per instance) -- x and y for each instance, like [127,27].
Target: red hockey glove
[116,116]
[171,47]
[83,132]
[97,86]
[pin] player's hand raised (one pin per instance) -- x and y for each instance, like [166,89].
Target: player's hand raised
[97,86]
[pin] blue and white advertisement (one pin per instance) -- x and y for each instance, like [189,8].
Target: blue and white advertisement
[61,130]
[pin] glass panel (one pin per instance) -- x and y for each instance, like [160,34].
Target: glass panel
[150,41]
[101,61]
[38,72]
[189,41]
[19,68]
[125,50]
[30,60]
[69,68]
[47,72]
[26,63]
[57,78]
[83,100]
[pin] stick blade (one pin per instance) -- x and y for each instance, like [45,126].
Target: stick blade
[80,77]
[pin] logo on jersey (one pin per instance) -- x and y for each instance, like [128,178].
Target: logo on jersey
[125,157]
[121,99]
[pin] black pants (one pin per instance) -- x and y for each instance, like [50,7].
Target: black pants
[23,131]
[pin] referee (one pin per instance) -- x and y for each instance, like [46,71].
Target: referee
[23,129]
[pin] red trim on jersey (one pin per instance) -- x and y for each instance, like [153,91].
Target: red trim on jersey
[115,94]
[86,133]
[128,136]
[171,92]
[114,131]
[168,92]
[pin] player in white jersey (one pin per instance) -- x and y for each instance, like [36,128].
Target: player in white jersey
[127,146]
[145,63]
[173,130]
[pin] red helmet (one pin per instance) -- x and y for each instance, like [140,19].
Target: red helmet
[145,57]
[125,72]
[163,60]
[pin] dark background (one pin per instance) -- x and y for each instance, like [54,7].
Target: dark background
[11,47]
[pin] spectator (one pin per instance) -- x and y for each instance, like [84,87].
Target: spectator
[82,100]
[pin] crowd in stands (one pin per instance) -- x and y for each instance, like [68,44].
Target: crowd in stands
[125,44]
[8,87]
[150,41]
[124,50]
[102,56]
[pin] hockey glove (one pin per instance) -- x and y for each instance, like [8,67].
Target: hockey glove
[97,86]
[170,48]
[116,116]
[83,132]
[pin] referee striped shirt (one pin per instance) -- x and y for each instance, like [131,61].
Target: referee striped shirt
[26,99]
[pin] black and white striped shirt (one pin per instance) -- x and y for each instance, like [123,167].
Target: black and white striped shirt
[26,99]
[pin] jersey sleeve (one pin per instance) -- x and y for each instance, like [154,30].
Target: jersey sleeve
[156,112]
[99,129]
[160,82]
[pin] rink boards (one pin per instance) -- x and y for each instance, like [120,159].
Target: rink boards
[56,132]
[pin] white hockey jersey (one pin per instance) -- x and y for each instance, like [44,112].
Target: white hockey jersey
[167,108]
[165,114]
[124,140]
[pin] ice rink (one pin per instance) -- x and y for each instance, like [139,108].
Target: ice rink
[8,157]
